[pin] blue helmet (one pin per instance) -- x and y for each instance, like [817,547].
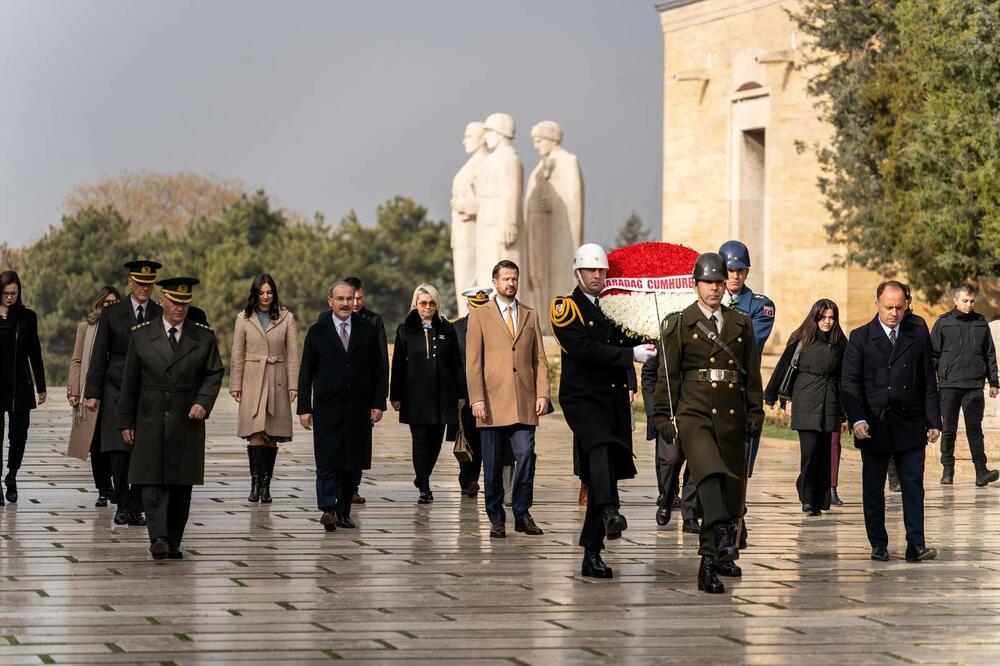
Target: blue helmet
[736,254]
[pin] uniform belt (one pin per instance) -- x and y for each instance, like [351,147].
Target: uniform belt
[711,375]
[266,359]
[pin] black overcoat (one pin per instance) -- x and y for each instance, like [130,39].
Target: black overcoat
[107,363]
[713,417]
[596,374]
[159,386]
[428,373]
[340,388]
[893,388]
[815,395]
[21,362]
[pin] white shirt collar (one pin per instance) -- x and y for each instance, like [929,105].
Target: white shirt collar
[136,304]
[338,322]
[708,314]
[590,297]
[888,329]
[167,326]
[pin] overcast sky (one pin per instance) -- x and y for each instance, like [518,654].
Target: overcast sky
[327,105]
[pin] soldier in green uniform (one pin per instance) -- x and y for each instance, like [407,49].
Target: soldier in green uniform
[173,370]
[709,397]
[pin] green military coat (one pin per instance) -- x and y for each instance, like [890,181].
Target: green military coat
[159,386]
[713,417]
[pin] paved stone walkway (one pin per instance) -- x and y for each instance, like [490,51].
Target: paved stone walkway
[425,585]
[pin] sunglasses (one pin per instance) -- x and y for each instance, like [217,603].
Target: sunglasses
[10,294]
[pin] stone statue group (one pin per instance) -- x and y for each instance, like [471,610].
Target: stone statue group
[493,218]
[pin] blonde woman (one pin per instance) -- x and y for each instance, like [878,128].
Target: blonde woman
[84,439]
[263,377]
[427,387]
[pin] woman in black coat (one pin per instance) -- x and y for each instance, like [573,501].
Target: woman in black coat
[20,363]
[817,412]
[428,382]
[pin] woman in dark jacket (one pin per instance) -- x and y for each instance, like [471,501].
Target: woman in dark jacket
[815,398]
[20,361]
[428,382]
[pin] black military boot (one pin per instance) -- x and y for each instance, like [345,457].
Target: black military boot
[254,495]
[983,475]
[593,566]
[268,456]
[948,475]
[614,522]
[708,579]
[11,482]
[725,541]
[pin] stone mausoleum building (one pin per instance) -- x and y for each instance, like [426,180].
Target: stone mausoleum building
[735,118]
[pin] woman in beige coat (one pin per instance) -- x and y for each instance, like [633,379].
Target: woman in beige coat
[263,377]
[84,437]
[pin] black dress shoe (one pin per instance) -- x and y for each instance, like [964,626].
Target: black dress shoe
[920,553]
[948,475]
[594,567]
[425,498]
[835,498]
[121,516]
[159,548]
[614,522]
[11,493]
[471,490]
[691,526]
[662,515]
[730,569]
[725,542]
[175,554]
[136,519]
[807,508]
[880,554]
[814,512]
[708,578]
[346,522]
[498,531]
[328,521]
[357,499]
[527,525]
[102,501]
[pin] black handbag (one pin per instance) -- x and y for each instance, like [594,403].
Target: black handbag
[785,388]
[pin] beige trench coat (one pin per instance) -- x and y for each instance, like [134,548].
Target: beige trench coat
[265,365]
[81,435]
[509,375]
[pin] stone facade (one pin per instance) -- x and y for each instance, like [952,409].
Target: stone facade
[738,137]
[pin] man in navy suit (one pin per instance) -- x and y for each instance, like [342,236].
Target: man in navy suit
[890,394]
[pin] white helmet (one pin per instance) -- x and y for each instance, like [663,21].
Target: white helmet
[502,123]
[590,255]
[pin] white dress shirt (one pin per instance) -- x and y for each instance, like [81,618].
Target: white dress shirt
[338,323]
[167,326]
[708,315]
[513,311]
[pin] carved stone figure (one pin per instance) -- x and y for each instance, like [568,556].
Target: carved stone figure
[554,216]
[498,184]
[464,206]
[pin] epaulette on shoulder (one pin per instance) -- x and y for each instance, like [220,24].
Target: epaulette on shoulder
[564,311]
[669,322]
[142,325]
[201,325]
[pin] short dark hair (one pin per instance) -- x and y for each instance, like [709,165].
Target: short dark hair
[964,288]
[355,282]
[504,263]
[9,278]
[893,284]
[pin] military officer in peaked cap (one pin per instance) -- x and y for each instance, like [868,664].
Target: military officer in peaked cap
[173,370]
[709,396]
[468,472]
[597,373]
[104,379]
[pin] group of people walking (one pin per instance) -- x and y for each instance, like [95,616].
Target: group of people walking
[145,375]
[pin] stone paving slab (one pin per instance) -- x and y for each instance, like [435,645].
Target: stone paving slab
[425,585]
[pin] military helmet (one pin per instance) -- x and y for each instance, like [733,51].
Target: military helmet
[590,255]
[502,123]
[736,254]
[710,267]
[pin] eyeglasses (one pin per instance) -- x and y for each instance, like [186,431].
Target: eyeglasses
[110,302]
[10,294]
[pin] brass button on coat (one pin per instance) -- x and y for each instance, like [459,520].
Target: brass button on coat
[715,411]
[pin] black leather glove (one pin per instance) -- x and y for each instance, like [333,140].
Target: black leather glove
[754,429]
[668,432]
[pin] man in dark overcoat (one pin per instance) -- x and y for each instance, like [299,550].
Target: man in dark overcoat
[341,398]
[709,397]
[890,393]
[173,370]
[469,472]
[597,362]
[104,380]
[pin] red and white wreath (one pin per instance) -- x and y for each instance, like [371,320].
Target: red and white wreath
[646,282]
